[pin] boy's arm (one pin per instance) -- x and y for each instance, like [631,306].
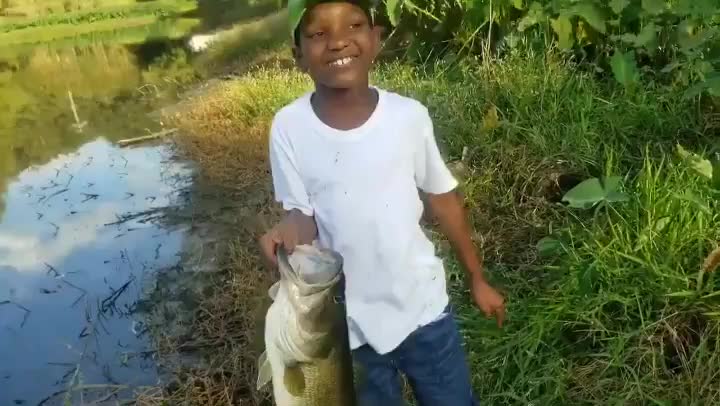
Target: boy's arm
[433,177]
[451,217]
[298,225]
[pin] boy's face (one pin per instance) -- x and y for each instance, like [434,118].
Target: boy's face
[337,45]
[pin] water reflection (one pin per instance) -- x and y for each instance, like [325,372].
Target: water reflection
[69,277]
[105,83]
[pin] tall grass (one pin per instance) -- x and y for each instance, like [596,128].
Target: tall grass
[616,312]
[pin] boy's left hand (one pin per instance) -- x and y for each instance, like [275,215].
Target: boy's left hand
[489,300]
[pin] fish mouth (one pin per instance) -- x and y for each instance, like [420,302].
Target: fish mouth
[310,268]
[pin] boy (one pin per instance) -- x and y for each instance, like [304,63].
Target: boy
[347,161]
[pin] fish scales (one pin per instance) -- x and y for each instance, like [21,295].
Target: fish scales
[307,353]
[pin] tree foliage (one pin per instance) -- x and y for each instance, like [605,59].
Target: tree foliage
[669,40]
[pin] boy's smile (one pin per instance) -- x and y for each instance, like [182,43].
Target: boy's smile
[337,45]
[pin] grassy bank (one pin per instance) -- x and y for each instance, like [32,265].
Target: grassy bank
[609,305]
[39,28]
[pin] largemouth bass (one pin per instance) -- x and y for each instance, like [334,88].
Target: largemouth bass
[307,353]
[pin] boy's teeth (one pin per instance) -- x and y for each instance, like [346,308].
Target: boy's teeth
[341,62]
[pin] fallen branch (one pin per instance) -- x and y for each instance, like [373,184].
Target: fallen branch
[153,136]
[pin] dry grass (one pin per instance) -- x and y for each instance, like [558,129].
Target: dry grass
[225,128]
[225,331]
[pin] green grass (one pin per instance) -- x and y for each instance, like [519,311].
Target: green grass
[157,8]
[616,314]
[78,23]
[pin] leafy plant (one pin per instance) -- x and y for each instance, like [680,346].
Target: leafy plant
[595,191]
[676,41]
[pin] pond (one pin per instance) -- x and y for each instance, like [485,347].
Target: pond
[75,259]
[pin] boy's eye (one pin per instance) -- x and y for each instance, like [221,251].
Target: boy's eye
[355,26]
[317,34]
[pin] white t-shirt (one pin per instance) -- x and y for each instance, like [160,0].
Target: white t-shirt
[361,186]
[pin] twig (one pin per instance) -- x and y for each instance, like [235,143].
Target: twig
[78,124]
[89,196]
[109,302]
[52,269]
[59,192]
[57,228]
[21,307]
[143,138]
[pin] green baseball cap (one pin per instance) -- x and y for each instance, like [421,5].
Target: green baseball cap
[297,8]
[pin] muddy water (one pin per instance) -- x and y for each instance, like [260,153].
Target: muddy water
[81,227]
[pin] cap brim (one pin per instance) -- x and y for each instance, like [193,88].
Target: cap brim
[296,10]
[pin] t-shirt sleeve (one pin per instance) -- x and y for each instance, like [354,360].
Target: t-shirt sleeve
[287,183]
[431,173]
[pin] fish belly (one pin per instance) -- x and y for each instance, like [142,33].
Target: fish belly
[324,381]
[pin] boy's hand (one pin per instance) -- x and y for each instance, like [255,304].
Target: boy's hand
[489,300]
[293,230]
[449,211]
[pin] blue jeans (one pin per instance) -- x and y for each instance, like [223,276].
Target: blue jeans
[433,360]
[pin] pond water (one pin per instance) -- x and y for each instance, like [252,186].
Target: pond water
[74,259]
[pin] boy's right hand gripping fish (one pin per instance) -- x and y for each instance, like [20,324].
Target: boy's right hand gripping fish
[307,354]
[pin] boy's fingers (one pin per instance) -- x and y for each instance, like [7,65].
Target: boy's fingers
[267,246]
[290,242]
[500,315]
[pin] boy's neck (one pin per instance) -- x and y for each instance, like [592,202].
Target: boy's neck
[344,109]
[347,97]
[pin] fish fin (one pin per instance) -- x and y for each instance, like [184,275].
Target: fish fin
[264,371]
[294,380]
[272,292]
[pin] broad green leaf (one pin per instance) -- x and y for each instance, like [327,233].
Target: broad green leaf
[535,14]
[296,9]
[624,68]
[592,14]
[617,197]
[548,246]
[518,4]
[611,186]
[611,183]
[564,30]
[393,11]
[585,195]
[618,6]
[647,35]
[710,84]
[593,191]
[700,165]
[628,38]
[654,7]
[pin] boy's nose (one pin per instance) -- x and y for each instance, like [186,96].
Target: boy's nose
[338,42]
